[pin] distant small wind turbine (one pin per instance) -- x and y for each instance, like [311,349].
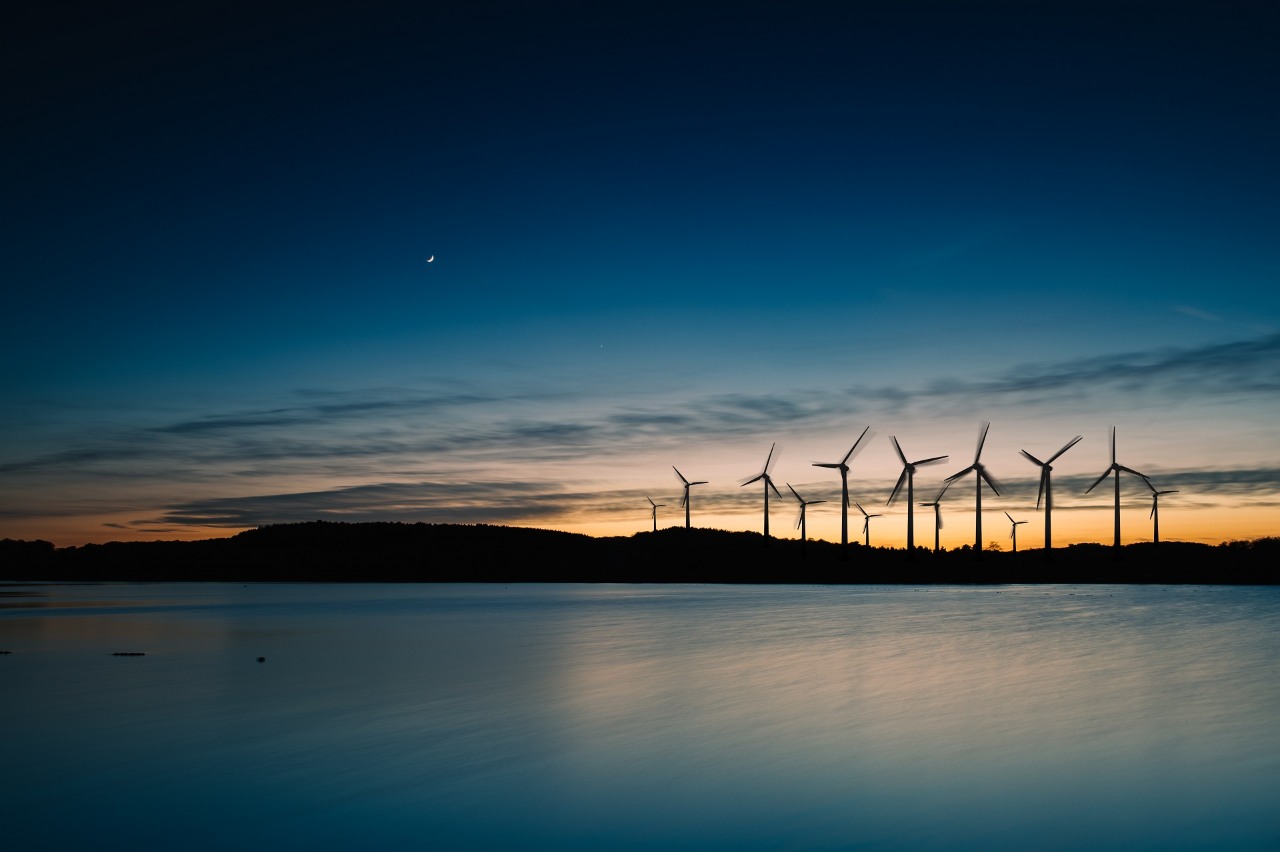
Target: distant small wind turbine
[937,515]
[909,473]
[1115,468]
[804,504]
[768,483]
[866,522]
[1013,534]
[655,506]
[980,473]
[843,467]
[1155,508]
[684,501]
[1046,490]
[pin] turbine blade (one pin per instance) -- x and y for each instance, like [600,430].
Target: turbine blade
[1010,517]
[753,479]
[860,509]
[651,503]
[1174,491]
[685,498]
[865,523]
[827,464]
[845,460]
[932,460]
[815,502]
[1134,472]
[939,521]
[699,482]
[1033,458]
[1153,510]
[898,447]
[1105,474]
[793,491]
[769,458]
[1113,445]
[982,472]
[1069,445]
[679,474]
[1044,475]
[897,488]
[953,477]
[769,482]
[982,439]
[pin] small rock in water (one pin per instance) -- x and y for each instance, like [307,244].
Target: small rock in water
[262,659]
[6,652]
[128,653]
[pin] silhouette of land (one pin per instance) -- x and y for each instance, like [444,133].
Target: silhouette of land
[397,552]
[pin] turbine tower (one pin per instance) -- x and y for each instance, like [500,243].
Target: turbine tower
[655,512]
[980,473]
[804,504]
[937,514]
[1115,468]
[843,467]
[1046,491]
[684,501]
[768,483]
[1155,508]
[866,522]
[909,473]
[1013,534]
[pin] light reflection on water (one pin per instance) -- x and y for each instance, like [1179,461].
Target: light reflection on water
[640,717]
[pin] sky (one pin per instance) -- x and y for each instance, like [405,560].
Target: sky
[664,234]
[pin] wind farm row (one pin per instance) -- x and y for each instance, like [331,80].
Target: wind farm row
[981,477]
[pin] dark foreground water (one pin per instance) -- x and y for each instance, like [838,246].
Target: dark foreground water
[592,717]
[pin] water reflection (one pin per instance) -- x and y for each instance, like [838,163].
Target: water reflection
[635,717]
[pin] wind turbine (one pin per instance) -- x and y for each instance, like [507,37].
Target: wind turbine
[866,522]
[937,514]
[768,483]
[909,473]
[655,512]
[980,473]
[1013,534]
[1155,507]
[804,504]
[1115,468]
[1046,491]
[684,501]
[843,467]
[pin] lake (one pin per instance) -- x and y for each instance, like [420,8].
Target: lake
[639,717]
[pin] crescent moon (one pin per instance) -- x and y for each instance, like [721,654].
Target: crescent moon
[433,257]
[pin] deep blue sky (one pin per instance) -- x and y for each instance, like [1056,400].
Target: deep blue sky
[810,216]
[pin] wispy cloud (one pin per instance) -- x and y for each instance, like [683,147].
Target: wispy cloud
[1196,313]
[447,456]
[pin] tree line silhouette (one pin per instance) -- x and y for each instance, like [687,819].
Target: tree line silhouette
[399,552]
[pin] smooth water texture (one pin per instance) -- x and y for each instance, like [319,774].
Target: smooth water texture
[639,717]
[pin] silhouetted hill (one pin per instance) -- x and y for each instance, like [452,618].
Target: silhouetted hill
[396,552]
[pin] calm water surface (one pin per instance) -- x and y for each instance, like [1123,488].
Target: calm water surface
[629,717]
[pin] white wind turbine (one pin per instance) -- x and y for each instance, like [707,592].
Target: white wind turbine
[1046,490]
[1116,469]
[908,474]
[768,483]
[1155,508]
[655,506]
[866,522]
[937,515]
[980,473]
[684,501]
[1013,533]
[804,504]
[843,467]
